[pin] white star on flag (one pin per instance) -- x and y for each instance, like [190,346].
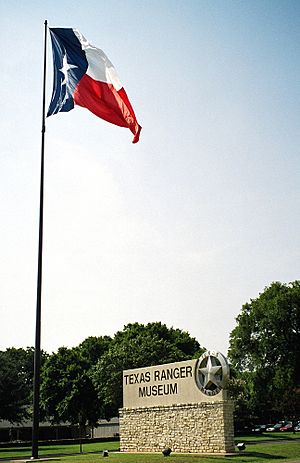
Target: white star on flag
[65,68]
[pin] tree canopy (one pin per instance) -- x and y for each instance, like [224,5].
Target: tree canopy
[265,350]
[83,384]
[16,377]
[67,391]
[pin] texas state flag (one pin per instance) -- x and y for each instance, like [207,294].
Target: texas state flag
[84,76]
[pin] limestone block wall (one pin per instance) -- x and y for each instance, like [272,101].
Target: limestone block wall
[205,427]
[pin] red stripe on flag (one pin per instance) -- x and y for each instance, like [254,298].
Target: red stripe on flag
[104,101]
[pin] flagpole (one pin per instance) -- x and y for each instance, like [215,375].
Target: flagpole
[37,350]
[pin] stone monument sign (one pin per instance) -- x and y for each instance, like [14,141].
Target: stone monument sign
[180,405]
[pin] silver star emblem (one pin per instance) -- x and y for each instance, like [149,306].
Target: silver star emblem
[65,68]
[209,372]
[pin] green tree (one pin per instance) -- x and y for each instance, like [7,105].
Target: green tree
[265,350]
[16,378]
[67,391]
[93,347]
[138,346]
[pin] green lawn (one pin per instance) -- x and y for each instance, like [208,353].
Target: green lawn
[284,451]
[51,450]
[258,453]
[271,436]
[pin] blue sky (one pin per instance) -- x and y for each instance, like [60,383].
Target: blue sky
[188,224]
